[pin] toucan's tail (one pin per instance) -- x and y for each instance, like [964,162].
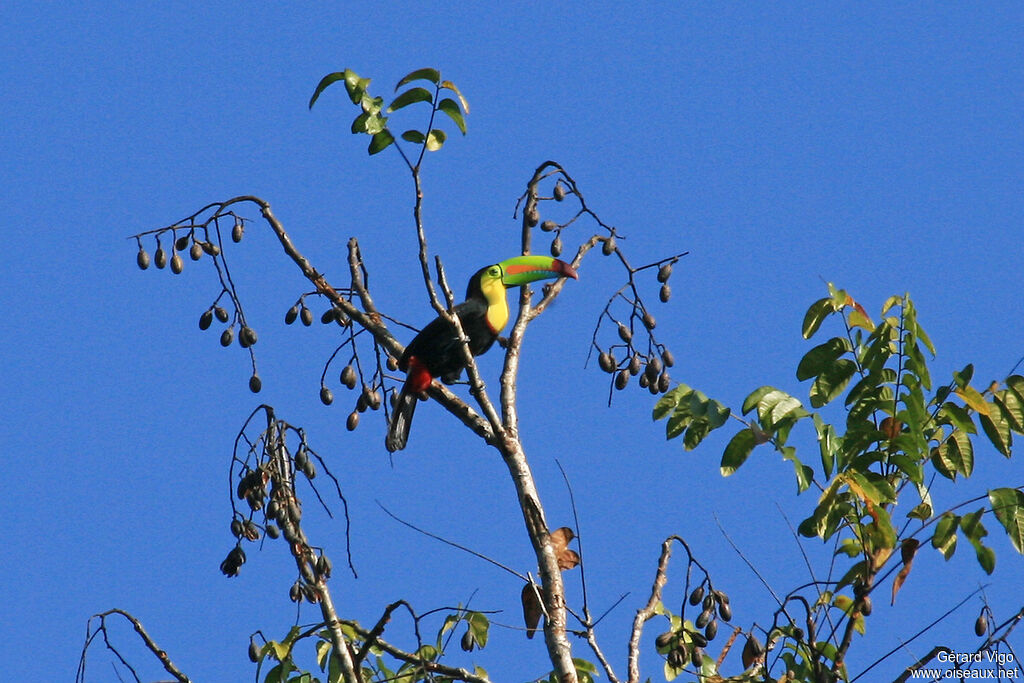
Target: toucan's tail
[401,420]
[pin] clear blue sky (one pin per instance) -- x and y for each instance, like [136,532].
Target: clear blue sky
[876,145]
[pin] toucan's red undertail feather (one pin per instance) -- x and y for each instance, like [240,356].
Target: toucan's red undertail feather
[418,379]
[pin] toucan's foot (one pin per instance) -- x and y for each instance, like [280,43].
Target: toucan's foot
[503,342]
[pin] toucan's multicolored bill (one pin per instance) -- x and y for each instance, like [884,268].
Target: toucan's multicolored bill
[521,270]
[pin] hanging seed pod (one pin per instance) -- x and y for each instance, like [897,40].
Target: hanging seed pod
[195,252]
[309,470]
[624,333]
[323,566]
[348,377]
[699,640]
[697,595]
[374,400]
[981,624]
[236,231]
[393,397]
[392,363]
[608,248]
[233,562]
[211,248]
[556,246]
[548,226]
[307,316]
[707,603]
[329,316]
[703,619]
[649,321]
[311,593]
[559,192]
[247,336]
[273,507]
[222,315]
[751,651]
[665,293]
[634,364]
[712,630]
[361,404]
[177,265]
[664,273]
[664,640]
[725,611]
[236,528]
[326,397]
[255,383]
[295,592]
[291,315]
[352,422]
[667,358]
[272,531]
[468,642]
[227,336]
[664,382]
[254,651]
[250,531]
[621,380]
[142,259]
[206,319]
[181,243]
[644,382]
[653,368]
[865,606]
[677,658]
[160,257]
[606,361]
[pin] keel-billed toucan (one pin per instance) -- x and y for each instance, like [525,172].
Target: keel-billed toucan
[435,351]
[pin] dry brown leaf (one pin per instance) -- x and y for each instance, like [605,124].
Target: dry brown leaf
[531,608]
[907,551]
[560,540]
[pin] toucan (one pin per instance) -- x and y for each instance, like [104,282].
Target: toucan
[435,351]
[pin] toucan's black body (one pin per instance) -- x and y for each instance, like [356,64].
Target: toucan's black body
[437,345]
[436,350]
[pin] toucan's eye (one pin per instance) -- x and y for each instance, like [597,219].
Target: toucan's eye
[494,271]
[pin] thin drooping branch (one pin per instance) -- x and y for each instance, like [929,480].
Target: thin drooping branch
[456,673]
[150,644]
[648,611]
[306,560]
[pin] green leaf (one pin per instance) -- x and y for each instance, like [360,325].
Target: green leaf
[414,136]
[480,626]
[380,142]
[679,421]
[828,444]
[818,359]
[944,537]
[737,452]
[952,414]
[890,302]
[696,432]
[411,96]
[963,378]
[831,382]
[328,80]
[817,313]
[667,403]
[448,85]
[997,429]
[435,139]
[717,414]
[428,74]
[449,107]
[751,401]
[776,405]
[974,530]
[804,474]
[1012,408]
[1008,506]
